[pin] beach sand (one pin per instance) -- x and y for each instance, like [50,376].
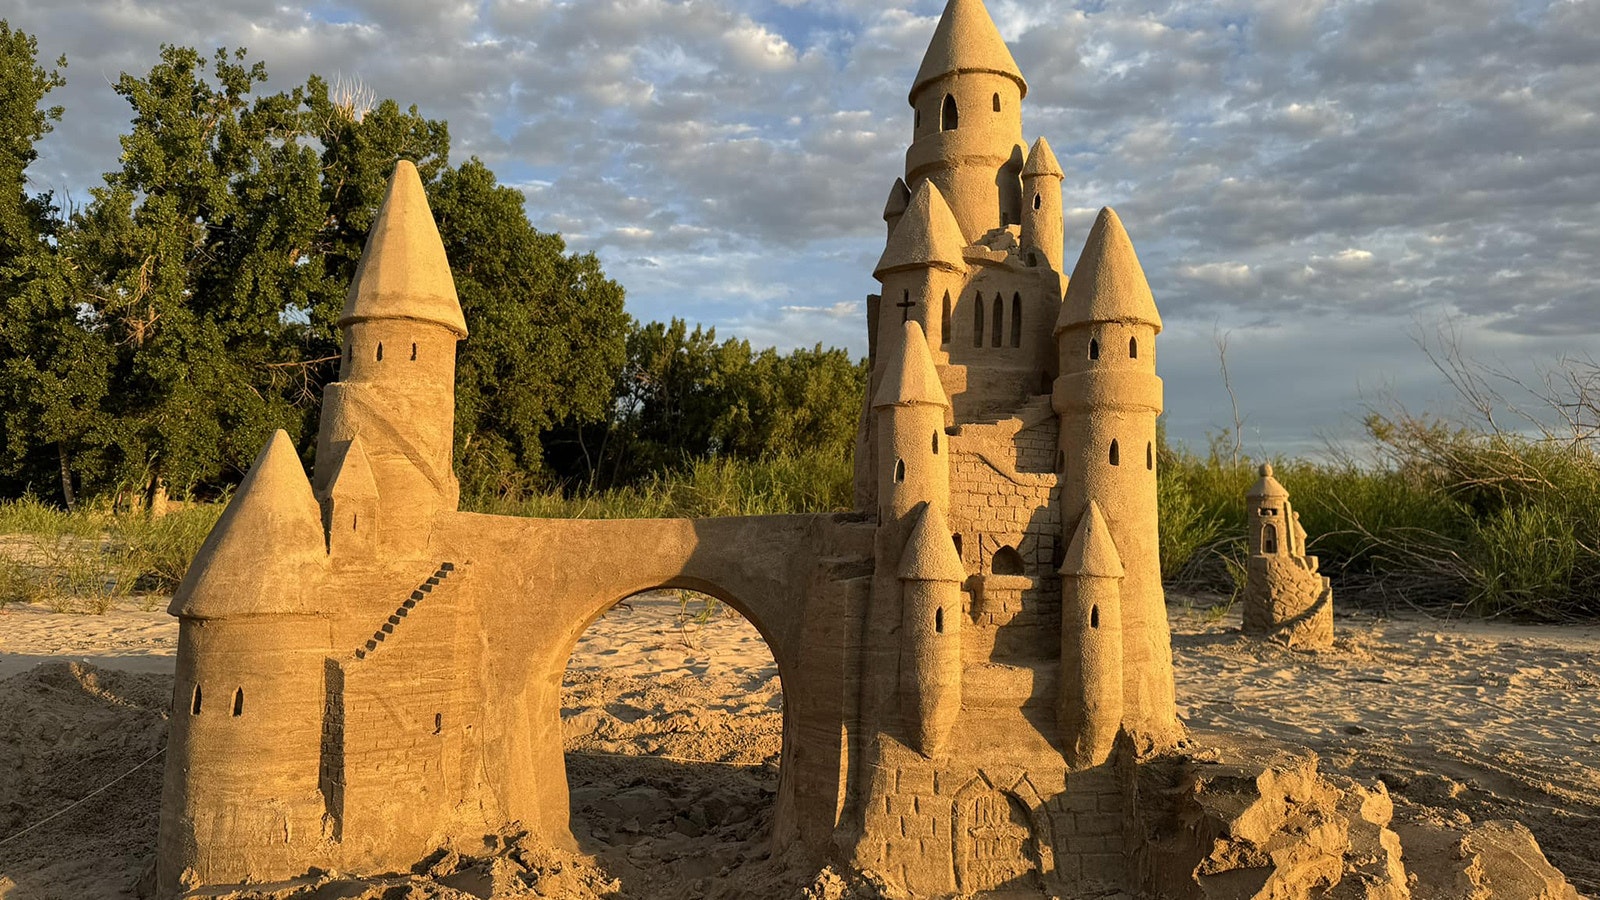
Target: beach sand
[673,732]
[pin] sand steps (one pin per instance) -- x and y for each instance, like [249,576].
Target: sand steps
[421,593]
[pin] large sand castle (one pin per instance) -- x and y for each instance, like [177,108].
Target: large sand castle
[972,662]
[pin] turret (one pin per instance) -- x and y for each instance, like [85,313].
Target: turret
[922,270]
[895,206]
[1271,520]
[910,407]
[1042,222]
[350,508]
[967,99]
[396,385]
[241,796]
[930,632]
[1108,397]
[1089,705]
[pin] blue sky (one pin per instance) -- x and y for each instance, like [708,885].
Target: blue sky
[1323,181]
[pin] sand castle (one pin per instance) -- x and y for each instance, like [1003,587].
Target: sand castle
[972,662]
[1286,596]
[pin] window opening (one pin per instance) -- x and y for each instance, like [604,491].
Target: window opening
[194,704]
[948,115]
[438,723]
[1038,201]
[1094,616]
[1133,348]
[1007,561]
[1150,455]
[1114,454]
[977,320]
[1016,320]
[944,322]
[936,443]
[1094,349]
[899,471]
[1269,544]
[938,620]
[999,319]
[996,102]
[413,351]
[238,702]
[380,351]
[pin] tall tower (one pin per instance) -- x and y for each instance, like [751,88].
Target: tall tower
[1089,704]
[240,797]
[396,384]
[1042,223]
[967,99]
[1108,397]
[930,631]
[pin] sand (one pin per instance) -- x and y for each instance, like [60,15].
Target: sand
[673,735]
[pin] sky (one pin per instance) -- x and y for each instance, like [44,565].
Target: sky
[1325,184]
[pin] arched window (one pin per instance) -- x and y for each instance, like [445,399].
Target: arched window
[1094,349]
[238,702]
[944,322]
[936,443]
[1150,455]
[1007,561]
[899,471]
[380,351]
[1133,348]
[1269,544]
[997,102]
[999,319]
[194,703]
[938,620]
[1115,456]
[1094,616]
[413,351]
[977,320]
[948,116]
[1016,320]
[1038,201]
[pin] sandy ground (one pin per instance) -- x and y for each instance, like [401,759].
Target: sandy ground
[673,727]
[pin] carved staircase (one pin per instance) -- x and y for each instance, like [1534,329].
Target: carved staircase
[439,577]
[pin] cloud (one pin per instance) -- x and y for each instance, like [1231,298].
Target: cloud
[1364,163]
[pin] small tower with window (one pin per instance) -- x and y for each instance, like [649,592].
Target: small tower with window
[396,386]
[1042,222]
[1089,694]
[921,269]
[1286,596]
[930,575]
[1107,399]
[1269,511]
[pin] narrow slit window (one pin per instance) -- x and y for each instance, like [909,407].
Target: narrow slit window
[949,117]
[1150,455]
[413,351]
[999,319]
[899,471]
[916,119]
[238,702]
[355,521]
[1038,201]
[1094,349]
[1115,456]
[936,443]
[194,702]
[1016,320]
[977,320]
[1094,616]
[938,620]
[1133,348]
[438,723]
[944,321]
[997,102]
[380,351]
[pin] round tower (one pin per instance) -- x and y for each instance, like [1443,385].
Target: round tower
[913,459]
[967,103]
[1271,528]
[922,271]
[1089,698]
[930,631]
[1108,397]
[1042,223]
[396,386]
[895,206]
[241,798]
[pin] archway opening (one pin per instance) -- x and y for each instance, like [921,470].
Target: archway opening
[672,722]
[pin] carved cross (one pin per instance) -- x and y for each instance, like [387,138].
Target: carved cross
[906,306]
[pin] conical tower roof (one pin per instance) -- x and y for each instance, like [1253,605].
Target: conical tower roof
[928,235]
[403,272]
[899,200]
[1042,161]
[930,552]
[1267,487]
[1107,284]
[265,553]
[354,478]
[910,377]
[967,40]
[1092,553]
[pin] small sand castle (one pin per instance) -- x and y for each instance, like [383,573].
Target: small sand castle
[1286,596]
[974,662]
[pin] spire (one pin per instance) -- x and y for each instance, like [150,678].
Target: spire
[1108,285]
[910,377]
[967,41]
[1092,553]
[403,272]
[1042,161]
[930,552]
[899,200]
[353,479]
[927,235]
[262,552]
[1267,487]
